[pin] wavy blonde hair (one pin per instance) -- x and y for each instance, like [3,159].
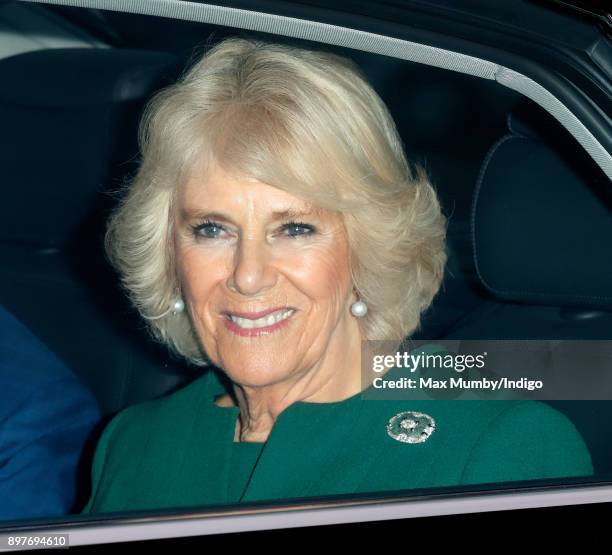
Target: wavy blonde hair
[309,123]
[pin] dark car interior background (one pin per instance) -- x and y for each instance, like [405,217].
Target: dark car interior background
[529,210]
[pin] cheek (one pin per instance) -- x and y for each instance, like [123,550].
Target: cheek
[198,272]
[321,271]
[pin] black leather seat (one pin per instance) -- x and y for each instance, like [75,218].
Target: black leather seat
[69,136]
[541,234]
[541,229]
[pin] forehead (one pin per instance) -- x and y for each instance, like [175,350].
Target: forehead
[223,190]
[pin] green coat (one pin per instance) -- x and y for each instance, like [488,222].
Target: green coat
[178,451]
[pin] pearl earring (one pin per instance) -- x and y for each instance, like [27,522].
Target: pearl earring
[178,306]
[359,309]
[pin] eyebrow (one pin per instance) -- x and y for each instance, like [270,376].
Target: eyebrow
[288,214]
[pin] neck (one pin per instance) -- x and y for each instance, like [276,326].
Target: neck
[337,376]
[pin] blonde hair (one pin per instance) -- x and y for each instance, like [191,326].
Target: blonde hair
[304,121]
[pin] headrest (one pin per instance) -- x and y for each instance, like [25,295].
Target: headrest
[69,121]
[542,217]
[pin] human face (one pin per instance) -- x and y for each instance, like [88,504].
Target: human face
[245,247]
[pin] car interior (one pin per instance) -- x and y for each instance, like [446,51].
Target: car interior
[528,210]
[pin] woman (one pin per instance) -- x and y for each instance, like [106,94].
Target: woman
[274,225]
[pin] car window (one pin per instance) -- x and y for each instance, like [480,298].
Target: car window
[492,251]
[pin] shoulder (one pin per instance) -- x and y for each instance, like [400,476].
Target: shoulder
[139,435]
[527,440]
[529,422]
[486,441]
[494,440]
[160,417]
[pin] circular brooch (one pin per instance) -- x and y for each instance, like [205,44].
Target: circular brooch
[411,427]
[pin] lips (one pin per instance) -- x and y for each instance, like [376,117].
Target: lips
[259,314]
[271,321]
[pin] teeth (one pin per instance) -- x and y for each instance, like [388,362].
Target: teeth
[268,320]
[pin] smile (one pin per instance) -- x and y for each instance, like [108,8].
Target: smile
[264,325]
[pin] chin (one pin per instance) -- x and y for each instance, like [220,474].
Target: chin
[252,376]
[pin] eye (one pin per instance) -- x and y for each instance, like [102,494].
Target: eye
[207,230]
[298,229]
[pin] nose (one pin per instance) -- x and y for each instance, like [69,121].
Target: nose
[252,272]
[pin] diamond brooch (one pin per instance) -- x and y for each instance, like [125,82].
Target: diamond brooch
[411,427]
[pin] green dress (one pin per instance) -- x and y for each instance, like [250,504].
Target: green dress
[178,451]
